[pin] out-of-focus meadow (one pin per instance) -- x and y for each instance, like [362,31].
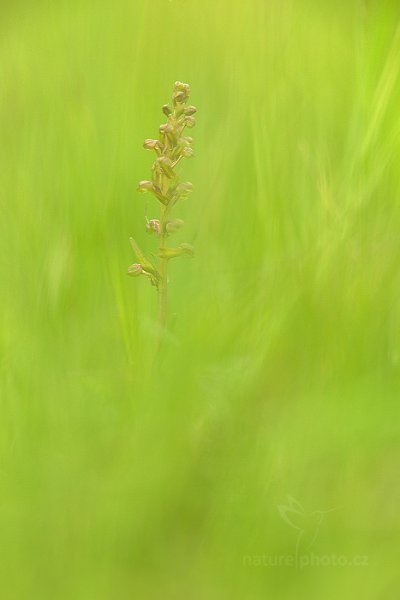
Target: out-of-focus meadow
[280,384]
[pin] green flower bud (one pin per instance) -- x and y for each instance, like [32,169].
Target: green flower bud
[187,249]
[151,144]
[149,186]
[187,152]
[145,186]
[190,121]
[184,189]
[167,110]
[181,87]
[185,141]
[173,225]
[168,130]
[190,110]
[181,92]
[165,129]
[166,166]
[182,145]
[179,97]
[135,270]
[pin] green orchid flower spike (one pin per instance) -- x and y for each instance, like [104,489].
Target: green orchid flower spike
[171,147]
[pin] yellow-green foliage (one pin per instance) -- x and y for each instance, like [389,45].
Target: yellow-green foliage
[277,399]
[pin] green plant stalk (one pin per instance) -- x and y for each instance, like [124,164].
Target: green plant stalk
[163,271]
[170,148]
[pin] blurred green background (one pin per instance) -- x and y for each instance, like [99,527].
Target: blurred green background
[281,374]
